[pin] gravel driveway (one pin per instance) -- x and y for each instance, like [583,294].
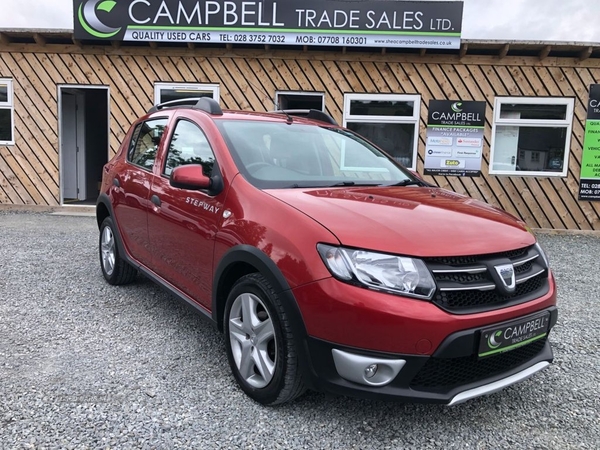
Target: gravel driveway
[87,365]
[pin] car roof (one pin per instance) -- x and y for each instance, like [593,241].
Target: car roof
[209,106]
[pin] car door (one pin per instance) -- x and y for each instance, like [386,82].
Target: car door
[133,181]
[183,223]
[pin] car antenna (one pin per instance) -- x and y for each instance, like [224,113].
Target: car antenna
[289,118]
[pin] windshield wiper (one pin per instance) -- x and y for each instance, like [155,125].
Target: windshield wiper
[353,183]
[409,182]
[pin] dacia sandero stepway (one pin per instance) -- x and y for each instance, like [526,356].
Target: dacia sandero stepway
[327,264]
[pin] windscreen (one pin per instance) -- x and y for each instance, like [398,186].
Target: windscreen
[284,155]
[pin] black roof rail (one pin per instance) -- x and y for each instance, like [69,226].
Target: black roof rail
[206,104]
[313,114]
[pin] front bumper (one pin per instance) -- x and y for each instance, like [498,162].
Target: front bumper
[451,375]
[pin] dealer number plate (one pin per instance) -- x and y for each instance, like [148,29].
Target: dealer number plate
[512,335]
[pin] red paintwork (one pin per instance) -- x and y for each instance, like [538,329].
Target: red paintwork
[184,238]
[390,323]
[410,220]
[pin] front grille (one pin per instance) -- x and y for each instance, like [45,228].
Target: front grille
[441,375]
[468,284]
[456,300]
[460,260]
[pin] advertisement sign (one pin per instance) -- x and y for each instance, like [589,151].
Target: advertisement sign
[454,143]
[589,181]
[377,23]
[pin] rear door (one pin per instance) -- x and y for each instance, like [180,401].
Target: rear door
[132,194]
[183,223]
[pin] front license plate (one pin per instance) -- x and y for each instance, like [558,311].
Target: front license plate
[511,335]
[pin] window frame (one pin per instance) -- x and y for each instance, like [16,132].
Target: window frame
[414,119]
[566,123]
[160,86]
[9,104]
[298,93]
[134,142]
[163,174]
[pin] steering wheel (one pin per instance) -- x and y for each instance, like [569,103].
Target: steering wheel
[253,167]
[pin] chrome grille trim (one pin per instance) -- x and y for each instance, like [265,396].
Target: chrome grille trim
[487,287]
[524,261]
[529,277]
[471,271]
[468,285]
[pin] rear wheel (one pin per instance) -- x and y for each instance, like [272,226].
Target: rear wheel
[260,343]
[114,268]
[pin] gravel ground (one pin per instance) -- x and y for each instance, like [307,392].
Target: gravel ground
[87,365]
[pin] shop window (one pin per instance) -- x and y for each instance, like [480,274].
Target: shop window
[6,112]
[390,121]
[166,92]
[531,136]
[299,100]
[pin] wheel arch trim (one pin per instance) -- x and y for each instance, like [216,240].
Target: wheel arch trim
[104,201]
[264,265]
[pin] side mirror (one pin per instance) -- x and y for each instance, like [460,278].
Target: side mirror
[190,177]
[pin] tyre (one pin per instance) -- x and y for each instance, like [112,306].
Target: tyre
[114,268]
[260,343]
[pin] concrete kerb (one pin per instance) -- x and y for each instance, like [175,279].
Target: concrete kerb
[75,210]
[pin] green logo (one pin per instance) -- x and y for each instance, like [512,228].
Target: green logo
[492,339]
[88,18]
[456,107]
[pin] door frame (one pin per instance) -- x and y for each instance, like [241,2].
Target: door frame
[82,87]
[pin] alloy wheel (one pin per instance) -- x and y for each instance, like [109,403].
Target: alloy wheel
[252,340]
[107,248]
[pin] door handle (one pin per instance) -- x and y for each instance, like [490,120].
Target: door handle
[154,199]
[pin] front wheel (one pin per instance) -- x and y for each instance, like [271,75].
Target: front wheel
[260,343]
[114,268]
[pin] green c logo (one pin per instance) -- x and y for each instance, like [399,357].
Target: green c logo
[456,107]
[89,19]
[492,339]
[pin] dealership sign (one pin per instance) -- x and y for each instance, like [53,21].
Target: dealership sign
[589,183]
[382,23]
[454,142]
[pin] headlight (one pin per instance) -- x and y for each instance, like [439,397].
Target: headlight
[396,274]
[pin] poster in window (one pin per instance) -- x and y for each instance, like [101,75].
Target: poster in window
[454,142]
[589,182]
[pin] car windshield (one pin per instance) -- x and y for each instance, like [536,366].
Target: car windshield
[296,155]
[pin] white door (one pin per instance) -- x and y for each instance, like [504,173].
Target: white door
[73,150]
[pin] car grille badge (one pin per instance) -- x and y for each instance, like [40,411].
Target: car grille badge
[507,275]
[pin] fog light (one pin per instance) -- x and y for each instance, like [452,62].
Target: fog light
[367,370]
[371,370]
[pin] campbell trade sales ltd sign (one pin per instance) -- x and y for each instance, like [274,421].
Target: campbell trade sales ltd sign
[377,23]
[454,138]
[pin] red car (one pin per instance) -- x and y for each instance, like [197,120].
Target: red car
[326,264]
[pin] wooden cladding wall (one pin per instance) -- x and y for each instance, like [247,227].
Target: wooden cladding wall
[29,170]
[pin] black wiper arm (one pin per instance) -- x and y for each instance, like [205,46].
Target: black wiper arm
[409,182]
[353,183]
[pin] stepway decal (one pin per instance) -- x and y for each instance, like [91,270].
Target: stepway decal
[454,138]
[377,23]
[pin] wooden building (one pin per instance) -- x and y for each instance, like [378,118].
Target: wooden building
[65,106]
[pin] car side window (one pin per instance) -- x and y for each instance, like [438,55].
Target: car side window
[189,145]
[145,141]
